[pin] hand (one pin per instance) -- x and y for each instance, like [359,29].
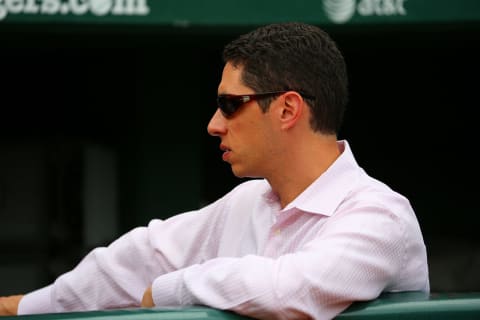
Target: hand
[9,305]
[147,300]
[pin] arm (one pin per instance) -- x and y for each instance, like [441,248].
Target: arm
[354,257]
[116,276]
[9,305]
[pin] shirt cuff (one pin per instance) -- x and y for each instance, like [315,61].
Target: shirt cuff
[38,301]
[167,290]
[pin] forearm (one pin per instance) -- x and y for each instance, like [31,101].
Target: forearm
[117,276]
[254,286]
[112,277]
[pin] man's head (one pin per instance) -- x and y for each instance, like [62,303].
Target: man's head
[281,101]
[298,57]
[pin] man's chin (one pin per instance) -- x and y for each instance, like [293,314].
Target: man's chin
[237,172]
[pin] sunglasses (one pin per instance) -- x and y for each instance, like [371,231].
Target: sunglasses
[230,103]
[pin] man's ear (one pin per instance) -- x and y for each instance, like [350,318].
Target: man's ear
[291,110]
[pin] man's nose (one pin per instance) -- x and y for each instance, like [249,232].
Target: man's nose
[217,124]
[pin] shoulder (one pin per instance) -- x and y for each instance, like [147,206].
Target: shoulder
[372,192]
[382,211]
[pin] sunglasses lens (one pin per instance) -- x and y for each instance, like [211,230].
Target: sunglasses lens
[228,105]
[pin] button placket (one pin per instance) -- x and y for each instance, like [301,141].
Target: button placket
[274,242]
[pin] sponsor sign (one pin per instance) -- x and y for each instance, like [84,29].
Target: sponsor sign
[74,7]
[341,11]
[219,13]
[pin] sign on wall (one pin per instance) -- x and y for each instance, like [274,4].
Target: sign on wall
[237,13]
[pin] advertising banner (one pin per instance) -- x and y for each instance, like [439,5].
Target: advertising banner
[186,13]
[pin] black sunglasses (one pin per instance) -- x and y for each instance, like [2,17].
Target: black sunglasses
[229,103]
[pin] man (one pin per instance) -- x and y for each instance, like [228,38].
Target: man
[314,234]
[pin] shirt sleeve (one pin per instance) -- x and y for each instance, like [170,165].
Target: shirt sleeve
[117,276]
[357,256]
[37,301]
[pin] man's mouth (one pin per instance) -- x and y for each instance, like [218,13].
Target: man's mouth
[226,152]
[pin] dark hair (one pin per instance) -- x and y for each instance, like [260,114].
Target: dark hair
[295,56]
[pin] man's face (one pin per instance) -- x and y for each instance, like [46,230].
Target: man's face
[245,135]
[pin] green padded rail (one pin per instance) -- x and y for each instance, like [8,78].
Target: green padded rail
[417,305]
[405,305]
[194,313]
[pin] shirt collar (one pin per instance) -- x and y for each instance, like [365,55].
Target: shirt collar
[326,193]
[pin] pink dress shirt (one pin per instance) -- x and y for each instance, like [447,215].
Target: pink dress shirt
[347,237]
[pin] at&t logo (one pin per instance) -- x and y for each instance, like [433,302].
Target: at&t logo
[341,11]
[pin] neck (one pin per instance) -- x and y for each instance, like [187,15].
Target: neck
[301,166]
